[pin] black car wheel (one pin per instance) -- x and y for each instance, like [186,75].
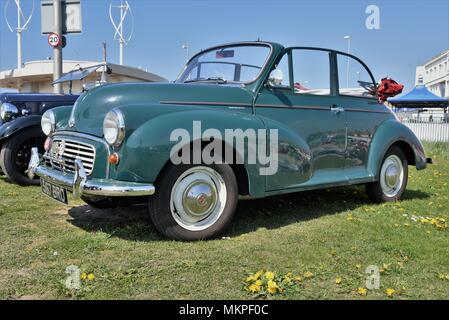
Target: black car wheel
[16,153]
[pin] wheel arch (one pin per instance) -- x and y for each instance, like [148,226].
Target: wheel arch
[392,132]
[240,171]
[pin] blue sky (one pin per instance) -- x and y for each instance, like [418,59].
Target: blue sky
[411,31]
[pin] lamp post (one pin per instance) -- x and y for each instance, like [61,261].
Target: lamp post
[185,46]
[57,51]
[348,38]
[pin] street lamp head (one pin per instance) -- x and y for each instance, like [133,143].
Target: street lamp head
[347,37]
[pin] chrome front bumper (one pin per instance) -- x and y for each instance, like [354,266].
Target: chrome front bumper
[80,185]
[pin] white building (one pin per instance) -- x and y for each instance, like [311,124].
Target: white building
[37,76]
[435,74]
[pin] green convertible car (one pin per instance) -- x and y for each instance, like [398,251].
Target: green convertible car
[247,119]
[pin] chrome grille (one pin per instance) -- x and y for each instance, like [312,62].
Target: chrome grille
[63,154]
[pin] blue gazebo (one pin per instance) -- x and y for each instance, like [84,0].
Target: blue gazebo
[420,97]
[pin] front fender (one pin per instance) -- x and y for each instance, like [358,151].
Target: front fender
[147,149]
[388,133]
[11,127]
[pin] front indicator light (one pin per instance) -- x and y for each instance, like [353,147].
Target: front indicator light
[114,158]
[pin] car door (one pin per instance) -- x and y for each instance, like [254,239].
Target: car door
[312,137]
[357,95]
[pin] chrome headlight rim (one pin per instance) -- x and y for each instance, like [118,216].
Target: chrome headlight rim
[116,118]
[8,111]
[48,122]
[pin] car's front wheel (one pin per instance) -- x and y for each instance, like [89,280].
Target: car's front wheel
[194,202]
[16,153]
[393,177]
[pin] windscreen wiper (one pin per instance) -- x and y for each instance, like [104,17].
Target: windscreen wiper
[210,79]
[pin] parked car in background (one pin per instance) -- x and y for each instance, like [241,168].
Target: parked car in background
[116,144]
[20,130]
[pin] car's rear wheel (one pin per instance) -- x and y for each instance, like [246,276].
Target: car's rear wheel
[16,153]
[194,202]
[393,177]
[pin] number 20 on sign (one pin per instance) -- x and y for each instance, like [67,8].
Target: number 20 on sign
[54,40]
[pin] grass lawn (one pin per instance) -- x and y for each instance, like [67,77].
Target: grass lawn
[331,234]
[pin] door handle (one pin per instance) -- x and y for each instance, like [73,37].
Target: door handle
[336,109]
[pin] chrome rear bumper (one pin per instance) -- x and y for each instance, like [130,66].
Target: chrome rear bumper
[80,185]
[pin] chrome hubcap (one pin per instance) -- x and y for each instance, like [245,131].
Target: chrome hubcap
[391,176]
[198,198]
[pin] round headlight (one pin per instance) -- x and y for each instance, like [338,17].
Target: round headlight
[114,127]
[48,122]
[8,111]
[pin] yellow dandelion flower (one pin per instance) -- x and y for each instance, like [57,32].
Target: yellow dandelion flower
[446,277]
[338,280]
[272,287]
[308,275]
[362,291]
[83,276]
[253,288]
[390,292]
[258,283]
[90,277]
[258,274]
[298,278]
[269,275]
[358,265]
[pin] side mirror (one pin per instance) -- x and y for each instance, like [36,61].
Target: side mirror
[276,77]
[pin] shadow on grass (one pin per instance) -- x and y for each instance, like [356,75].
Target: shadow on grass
[133,222]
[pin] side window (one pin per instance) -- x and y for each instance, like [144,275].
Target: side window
[311,71]
[353,78]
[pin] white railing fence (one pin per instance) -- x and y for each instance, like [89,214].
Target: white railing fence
[428,131]
[431,125]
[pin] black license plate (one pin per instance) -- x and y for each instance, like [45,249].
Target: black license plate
[55,192]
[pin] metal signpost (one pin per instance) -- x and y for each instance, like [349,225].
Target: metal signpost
[59,17]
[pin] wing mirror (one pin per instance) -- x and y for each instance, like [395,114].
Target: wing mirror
[276,77]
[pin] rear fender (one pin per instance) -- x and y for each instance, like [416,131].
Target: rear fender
[390,132]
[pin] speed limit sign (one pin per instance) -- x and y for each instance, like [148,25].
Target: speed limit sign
[54,40]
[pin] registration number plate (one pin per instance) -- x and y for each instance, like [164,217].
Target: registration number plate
[55,192]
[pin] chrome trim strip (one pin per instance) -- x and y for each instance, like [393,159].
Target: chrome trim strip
[212,103]
[80,185]
[259,105]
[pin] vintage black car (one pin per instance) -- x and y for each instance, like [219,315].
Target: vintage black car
[20,130]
